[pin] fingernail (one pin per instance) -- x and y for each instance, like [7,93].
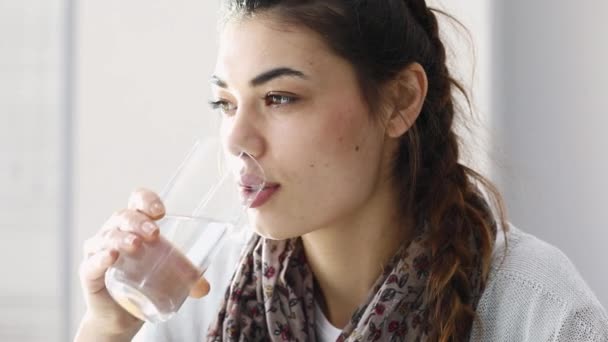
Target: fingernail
[156,208]
[130,239]
[149,228]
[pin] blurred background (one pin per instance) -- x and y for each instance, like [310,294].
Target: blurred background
[100,97]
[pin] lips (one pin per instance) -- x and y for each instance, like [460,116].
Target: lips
[255,198]
[251,181]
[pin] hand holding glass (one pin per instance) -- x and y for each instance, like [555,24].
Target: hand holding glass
[206,201]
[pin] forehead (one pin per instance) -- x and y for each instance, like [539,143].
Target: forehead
[251,45]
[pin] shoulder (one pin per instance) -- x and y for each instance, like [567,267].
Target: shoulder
[528,261]
[535,293]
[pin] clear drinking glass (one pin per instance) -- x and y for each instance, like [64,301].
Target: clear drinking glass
[205,201]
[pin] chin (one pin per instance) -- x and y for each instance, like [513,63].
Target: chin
[273,230]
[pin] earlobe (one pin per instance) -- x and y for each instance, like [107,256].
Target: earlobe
[410,87]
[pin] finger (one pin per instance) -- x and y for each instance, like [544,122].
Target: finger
[200,289]
[134,222]
[113,239]
[147,202]
[92,270]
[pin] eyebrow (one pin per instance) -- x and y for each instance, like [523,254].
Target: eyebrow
[264,77]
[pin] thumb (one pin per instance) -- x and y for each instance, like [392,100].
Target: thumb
[200,289]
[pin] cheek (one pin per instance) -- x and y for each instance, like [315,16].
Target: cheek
[332,144]
[327,166]
[348,135]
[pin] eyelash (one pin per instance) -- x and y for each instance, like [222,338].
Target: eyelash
[219,104]
[269,100]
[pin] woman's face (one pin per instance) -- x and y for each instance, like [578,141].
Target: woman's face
[287,100]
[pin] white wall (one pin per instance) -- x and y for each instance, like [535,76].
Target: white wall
[551,77]
[32,152]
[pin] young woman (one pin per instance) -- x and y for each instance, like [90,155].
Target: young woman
[374,231]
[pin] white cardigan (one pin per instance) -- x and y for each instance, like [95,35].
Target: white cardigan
[534,293]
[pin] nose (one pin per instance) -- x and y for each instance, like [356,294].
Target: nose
[241,134]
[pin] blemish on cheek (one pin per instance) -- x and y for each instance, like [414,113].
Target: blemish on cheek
[357,148]
[312,165]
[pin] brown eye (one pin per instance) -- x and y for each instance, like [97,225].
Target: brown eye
[279,99]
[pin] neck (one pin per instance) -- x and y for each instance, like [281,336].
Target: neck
[348,258]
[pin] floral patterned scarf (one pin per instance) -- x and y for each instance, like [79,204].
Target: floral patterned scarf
[271,297]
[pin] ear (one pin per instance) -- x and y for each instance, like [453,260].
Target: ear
[409,89]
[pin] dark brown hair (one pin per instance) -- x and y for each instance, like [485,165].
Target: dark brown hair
[380,39]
